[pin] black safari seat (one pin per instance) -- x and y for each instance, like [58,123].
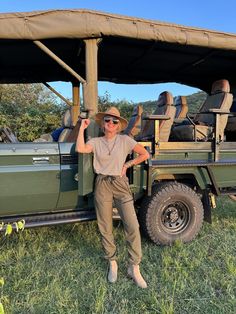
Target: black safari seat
[181,106]
[134,125]
[202,125]
[164,107]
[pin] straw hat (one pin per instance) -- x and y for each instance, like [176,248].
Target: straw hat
[114,112]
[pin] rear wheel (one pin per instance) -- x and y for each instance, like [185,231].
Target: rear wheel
[174,211]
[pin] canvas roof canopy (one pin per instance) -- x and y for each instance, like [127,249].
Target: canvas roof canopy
[131,50]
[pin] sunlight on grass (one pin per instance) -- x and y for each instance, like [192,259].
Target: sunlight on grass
[61,270]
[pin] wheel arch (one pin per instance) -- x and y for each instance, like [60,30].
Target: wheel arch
[193,176]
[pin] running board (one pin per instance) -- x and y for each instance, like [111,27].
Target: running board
[228,192]
[51,219]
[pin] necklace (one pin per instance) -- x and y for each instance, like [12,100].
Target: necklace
[107,145]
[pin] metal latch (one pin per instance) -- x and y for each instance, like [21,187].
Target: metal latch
[40,160]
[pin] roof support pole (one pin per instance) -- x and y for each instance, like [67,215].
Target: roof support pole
[90,88]
[58,94]
[58,60]
[76,102]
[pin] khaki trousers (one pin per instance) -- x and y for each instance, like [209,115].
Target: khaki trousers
[107,190]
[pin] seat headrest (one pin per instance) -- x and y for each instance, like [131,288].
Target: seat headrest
[220,86]
[67,119]
[180,100]
[165,98]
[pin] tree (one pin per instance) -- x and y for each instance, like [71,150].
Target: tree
[29,110]
[125,107]
[195,101]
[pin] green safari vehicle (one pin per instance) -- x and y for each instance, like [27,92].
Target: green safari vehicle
[192,158]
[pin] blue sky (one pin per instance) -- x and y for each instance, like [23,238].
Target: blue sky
[212,14]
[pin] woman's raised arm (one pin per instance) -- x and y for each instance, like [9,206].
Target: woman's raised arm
[81,146]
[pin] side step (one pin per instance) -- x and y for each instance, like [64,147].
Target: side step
[39,220]
[231,191]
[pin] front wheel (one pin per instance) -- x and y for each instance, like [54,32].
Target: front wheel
[174,211]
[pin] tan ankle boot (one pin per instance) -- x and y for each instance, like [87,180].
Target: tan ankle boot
[112,274]
[134,273]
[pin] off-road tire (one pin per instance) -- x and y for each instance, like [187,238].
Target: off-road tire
[174,211]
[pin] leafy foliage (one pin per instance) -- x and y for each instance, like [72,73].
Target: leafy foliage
[125,107]
[195,101]
[29,110]
[1,287]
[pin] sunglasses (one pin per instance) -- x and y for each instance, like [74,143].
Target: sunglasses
[112,119]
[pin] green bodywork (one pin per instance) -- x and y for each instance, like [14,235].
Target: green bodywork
[46,177]
[52,177]
[198,166]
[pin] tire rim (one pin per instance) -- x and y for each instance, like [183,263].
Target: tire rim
[175,217]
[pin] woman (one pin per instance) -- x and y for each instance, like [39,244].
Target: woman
[110,153]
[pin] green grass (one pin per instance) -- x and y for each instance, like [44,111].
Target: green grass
[61,270]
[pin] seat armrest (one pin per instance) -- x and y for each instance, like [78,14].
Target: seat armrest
[214,110]
[156,117]
[191,115]
[180,120]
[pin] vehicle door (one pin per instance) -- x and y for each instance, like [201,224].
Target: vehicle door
[29,177]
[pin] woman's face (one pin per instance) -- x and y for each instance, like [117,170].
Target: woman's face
[111,124]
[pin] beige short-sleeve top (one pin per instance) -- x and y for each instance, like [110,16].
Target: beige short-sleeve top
[110,155]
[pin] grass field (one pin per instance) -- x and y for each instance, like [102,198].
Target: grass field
[61,270]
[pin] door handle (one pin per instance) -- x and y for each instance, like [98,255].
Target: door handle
[40,160]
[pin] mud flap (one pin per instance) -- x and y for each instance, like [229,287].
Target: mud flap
[206,206]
